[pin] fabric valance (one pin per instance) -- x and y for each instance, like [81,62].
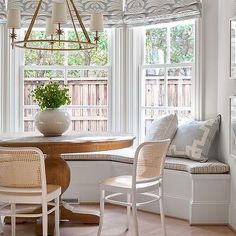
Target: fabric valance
[2,10]
[146,12]
[112,10]
[116,12]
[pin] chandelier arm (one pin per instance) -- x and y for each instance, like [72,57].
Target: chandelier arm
[81,22]
[21,44]
[73,22]
[32,22]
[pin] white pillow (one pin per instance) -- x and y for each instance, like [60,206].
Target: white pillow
[164,127]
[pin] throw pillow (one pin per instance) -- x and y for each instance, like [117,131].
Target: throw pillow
[164,127]
[193,139]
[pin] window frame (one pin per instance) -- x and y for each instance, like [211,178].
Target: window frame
[196,98]
[125,73]
[65,68]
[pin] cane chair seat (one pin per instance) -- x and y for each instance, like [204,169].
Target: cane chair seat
[32,196]
[124,184]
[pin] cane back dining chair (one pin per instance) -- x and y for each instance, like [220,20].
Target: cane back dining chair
[23,181]
[147,177]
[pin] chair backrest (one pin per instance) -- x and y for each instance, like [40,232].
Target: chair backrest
[149,161]
[22,168]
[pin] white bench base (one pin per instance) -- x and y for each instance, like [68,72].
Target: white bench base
[198,198]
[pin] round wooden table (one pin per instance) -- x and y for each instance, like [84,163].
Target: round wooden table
[57,170]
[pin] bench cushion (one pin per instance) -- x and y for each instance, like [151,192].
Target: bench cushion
[194,167]
[126,156]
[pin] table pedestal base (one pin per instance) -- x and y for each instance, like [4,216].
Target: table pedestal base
[72,215]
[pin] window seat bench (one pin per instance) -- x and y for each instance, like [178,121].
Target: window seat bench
[194,191]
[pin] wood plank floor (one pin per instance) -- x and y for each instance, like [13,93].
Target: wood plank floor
[114,225]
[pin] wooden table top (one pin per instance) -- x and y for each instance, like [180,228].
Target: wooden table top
[70,142]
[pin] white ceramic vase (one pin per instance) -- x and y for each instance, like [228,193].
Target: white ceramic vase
[52,122]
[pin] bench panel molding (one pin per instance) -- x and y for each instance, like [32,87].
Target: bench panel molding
[198,198]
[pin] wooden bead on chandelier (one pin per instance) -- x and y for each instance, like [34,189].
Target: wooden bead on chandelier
[54,32]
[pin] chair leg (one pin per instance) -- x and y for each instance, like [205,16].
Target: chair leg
[162,212]
[128,210]
[57,218]
[45,219]
[135,217]
[13,219]
[102,205]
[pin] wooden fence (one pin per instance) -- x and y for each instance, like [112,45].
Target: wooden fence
[89,107]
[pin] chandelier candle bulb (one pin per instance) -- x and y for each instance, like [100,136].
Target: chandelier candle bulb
[59,13]
[13,19]
[13,22]
[50,27]
[96,24]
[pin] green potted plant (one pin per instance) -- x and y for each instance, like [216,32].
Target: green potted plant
[51,121]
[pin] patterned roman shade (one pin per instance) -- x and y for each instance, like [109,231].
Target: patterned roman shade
[146,12]
[116,12]
[2,10]
[112,10]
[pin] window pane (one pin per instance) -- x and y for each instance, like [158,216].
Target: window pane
[182,43]
[154,88]
[87,74]
[97,56]
[179,87]
[84,119]
[43,74]
[156,46]
[41,57]
[88,87]
[90,92]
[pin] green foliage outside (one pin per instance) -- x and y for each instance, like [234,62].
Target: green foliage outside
[98,57]
[51,95]
[181,50]
[181,44]
[156,44]
[37,57]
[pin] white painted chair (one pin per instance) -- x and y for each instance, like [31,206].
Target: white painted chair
[147,177]
[23,181]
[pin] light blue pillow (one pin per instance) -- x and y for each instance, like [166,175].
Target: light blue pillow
[193,139]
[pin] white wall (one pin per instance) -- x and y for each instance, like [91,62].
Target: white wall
[226,88]
[217,85]
[210,57]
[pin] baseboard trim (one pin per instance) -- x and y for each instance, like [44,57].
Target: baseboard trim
[232,216]
[232,228]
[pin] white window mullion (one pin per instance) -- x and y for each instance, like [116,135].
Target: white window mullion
[134,59]
[197,75]
[168,46]
[116,83]
[5,82]
[166,89]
